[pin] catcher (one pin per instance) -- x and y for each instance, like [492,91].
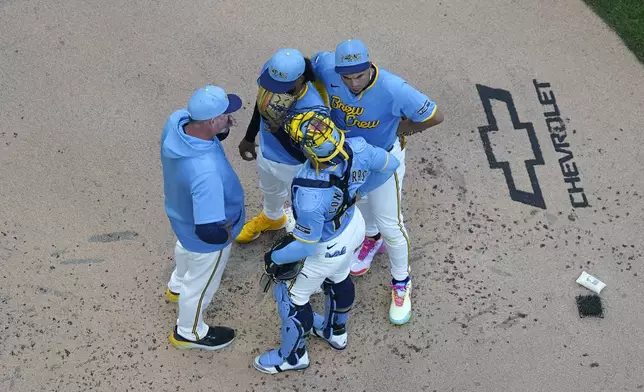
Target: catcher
[328,230]
[284,84]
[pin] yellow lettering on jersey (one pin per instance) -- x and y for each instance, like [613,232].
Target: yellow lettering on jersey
[336,103]
[351,121]
[352,113]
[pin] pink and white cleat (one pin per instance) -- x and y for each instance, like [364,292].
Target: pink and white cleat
[370,248]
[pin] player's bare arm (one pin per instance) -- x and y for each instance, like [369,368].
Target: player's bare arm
[408,127]
[248,146]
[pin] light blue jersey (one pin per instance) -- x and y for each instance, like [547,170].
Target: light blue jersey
[314,207]
[375,113]
[271,147]
[200,185]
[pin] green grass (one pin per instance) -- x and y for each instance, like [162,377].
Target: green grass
[626,17]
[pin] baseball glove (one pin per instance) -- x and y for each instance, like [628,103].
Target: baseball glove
[282,272]
[274,107]
[278,273]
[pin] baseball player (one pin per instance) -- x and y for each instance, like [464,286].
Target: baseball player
[327,231]
[204,201]
[284,84]
[370,102]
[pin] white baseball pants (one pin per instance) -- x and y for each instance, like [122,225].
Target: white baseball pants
[382,211]
[275,183]
[332,260]
[196,278]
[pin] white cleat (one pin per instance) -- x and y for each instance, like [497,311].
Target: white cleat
[364,256]
[301,364]
[337,342]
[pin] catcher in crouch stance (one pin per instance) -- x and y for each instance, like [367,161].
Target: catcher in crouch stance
[328,229]
[284,84]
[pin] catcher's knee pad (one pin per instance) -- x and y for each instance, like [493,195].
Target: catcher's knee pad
[297,321]
[343,293]
[339,300]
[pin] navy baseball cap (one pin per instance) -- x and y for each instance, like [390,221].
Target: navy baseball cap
[282,70]
[212,101]
[351,56]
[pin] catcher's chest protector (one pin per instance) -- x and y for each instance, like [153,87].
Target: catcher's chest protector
[334,180]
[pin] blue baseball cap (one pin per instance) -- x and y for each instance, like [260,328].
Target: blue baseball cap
[212,101]
[282,70]
[351,56]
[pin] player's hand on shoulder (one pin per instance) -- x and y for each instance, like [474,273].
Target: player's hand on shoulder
[322,61]
[318,56]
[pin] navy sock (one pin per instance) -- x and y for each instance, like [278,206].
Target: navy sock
[394,281]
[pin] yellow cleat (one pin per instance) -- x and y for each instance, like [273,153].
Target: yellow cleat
[259,224]
[172,296]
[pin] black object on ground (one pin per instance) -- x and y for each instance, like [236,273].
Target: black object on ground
[590,306]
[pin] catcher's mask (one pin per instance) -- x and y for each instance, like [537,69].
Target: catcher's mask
[317,136]
[274,107]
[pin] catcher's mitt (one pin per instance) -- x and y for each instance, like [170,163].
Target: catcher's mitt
[273,106]
[275,273]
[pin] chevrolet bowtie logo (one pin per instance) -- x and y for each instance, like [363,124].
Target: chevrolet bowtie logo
[534,198]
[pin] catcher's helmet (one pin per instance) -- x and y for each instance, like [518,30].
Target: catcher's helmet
[315,133]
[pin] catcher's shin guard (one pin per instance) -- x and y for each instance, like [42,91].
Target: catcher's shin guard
[297,322]
[339,300]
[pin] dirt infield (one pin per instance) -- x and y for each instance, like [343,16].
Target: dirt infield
[506,202]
